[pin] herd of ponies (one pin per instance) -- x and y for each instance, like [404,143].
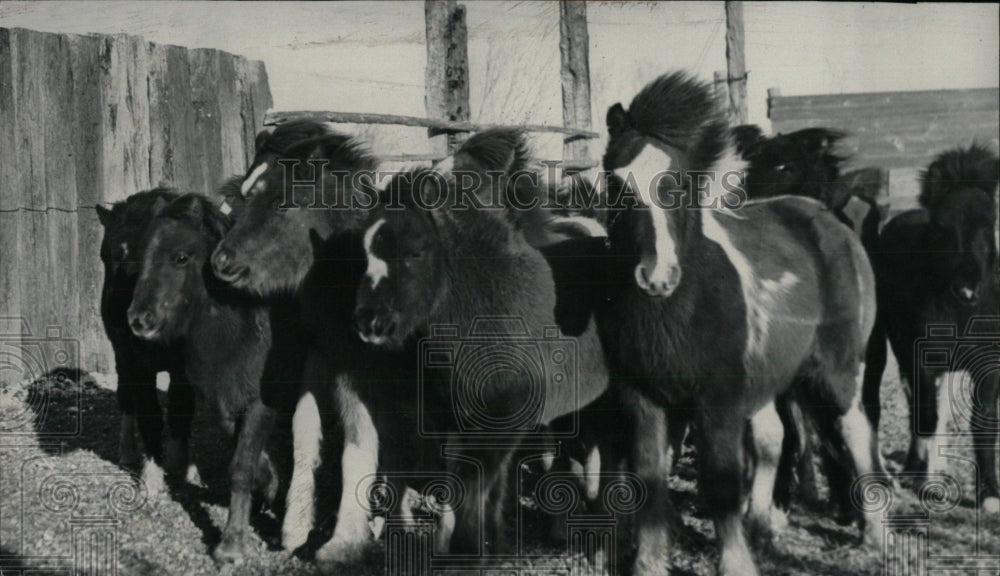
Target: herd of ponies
[710,283]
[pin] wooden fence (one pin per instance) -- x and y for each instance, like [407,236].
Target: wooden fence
[898,131]
[92,119]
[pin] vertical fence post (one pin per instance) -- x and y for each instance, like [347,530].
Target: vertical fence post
[574,43]
[736,67]
[447,75]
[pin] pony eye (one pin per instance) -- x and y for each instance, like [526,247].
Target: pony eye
[181,258]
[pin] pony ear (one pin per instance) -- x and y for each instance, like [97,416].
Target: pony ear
[104,215]
[158,205]
[316,241]
[261,141]
[617,119]
[431,188]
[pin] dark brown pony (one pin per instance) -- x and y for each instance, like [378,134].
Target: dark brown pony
[720,311]
[137,361]
[936,268]
[223,340]
[472,273]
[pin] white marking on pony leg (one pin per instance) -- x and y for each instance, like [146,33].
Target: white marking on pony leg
[592,473]
[444,529]
[943,385]
[307,434]
[358,468]
[591,226]
[647,171]
[248,184]
[768,434]
[378,268]
[856,432]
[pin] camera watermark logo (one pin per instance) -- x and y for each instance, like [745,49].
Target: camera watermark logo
[495,381]
[964,360]
[37,367]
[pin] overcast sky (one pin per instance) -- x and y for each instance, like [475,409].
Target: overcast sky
[369,57]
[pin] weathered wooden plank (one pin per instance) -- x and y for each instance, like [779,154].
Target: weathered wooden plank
[10,285]
[736,66]
[446,77]
[95,351]
[273,118]
[256,101]
[56,281]
[970,97]
[864,114]
[230,122]
[125,116]
[574,50]
[207,133]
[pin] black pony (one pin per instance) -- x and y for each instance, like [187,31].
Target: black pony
[936,268]
[137,361]
[223,341]
[718,312]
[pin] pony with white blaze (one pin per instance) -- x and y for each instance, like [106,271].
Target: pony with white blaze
[717,311]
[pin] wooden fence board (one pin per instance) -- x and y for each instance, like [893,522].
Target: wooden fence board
[92,119]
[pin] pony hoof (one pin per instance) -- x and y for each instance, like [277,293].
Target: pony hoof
[153,479]
[779,520]
[231,550]
[333,554]
[293,537]
[991,505]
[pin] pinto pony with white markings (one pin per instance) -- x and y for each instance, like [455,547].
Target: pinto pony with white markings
[937,270]
[719,311]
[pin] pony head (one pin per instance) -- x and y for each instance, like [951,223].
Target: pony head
[959,192]
[171,285]
[305,177]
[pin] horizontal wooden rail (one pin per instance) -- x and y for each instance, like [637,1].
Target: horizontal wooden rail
[273,118]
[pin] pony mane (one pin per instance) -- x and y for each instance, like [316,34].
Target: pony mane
[682,112]
[747,138]
[344,152]
[495,149]
[974,167]
[200,211]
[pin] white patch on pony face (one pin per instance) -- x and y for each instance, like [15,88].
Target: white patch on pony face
[591,226]
[251,180]
[648,168]
[378,269]
[761,296]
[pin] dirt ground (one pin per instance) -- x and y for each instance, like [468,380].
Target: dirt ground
[64,502]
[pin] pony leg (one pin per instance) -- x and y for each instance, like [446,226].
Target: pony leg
[722,460]
[924,418]
[307,434]
[860,442]
[358,467]
[768,435]
[127,394]
[985,427]
[253,435]
[876,357]
[180,415]
[651,462]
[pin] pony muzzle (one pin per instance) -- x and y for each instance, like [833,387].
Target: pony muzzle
[225,267]
[657,278]
[373,327]
[143,322]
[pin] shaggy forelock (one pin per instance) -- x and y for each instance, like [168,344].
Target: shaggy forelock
[974,167]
